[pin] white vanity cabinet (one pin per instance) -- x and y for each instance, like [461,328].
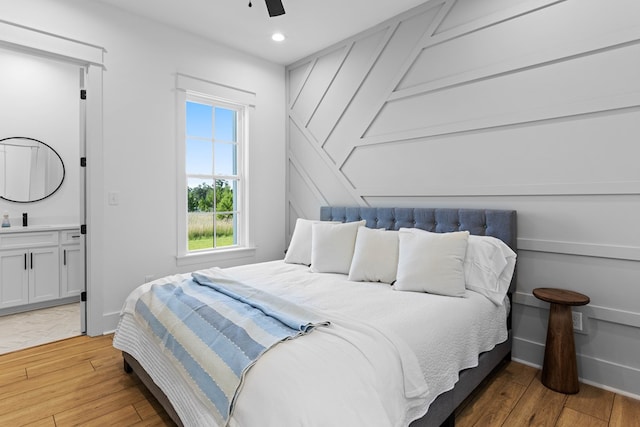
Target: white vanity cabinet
[14,278]
[43,271]
[32,263]
[71,264]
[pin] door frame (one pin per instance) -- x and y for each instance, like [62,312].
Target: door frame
[91,58]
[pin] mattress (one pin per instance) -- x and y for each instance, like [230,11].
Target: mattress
[386,356]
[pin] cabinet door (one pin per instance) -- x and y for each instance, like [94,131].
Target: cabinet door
[71,282]
[44,274]
[14,285]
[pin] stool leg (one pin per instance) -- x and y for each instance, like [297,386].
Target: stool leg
[559,370]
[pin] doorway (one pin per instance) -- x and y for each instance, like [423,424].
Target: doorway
[40,101]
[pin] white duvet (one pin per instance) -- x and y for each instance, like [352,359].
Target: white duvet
[386,356]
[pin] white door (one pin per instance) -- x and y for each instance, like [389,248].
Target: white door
[40,99]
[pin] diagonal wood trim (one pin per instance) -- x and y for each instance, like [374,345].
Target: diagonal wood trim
[542,58]
[445,7]
[612,103]
[298,90]
[374,58]
[328,161]
[293,162]
[489,21]
[429,38]
[345,53]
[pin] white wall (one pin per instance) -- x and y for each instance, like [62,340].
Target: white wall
[529,105]
[139,148]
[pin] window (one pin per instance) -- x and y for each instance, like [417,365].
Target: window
[213,121]
[213,144]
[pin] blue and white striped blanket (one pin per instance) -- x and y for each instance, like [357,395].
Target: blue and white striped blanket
[217,329]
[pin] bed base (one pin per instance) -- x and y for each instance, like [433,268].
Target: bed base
[132,365]
[441,411]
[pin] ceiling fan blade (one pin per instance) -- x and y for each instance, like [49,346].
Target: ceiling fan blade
[275,7]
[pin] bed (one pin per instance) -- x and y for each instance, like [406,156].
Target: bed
[365,310]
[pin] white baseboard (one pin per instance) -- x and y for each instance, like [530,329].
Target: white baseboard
[110,322]
[621,379]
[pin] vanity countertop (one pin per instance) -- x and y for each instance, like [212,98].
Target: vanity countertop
[35,228]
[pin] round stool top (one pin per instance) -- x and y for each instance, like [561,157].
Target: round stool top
[561,296]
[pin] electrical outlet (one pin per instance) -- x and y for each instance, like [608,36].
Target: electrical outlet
[114,198]
[577,320]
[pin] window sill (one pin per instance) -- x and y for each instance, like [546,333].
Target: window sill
[219,255]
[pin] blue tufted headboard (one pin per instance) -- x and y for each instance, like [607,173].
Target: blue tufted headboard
[501,224]
[483,222]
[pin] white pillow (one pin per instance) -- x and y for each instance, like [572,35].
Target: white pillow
[299,251]
[332,246]
[431,262]
[375,258]
[488,267]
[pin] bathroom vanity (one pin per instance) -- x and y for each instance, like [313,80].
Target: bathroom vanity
[40,266]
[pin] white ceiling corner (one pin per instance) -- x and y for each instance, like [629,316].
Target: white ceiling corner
[309,26]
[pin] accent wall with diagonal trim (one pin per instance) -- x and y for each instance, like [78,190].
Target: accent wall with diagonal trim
[531,105]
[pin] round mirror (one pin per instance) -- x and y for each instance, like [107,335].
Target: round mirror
[30,170]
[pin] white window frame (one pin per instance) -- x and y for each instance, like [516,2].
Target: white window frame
[197,90]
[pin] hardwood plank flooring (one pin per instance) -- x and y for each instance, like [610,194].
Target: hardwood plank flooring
[80,381]
[77,381]
[514,396]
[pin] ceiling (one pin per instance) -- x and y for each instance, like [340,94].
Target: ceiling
[308,26]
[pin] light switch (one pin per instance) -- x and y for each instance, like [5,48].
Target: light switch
[114,198]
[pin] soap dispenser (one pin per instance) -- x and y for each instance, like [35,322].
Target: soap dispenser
[5,220]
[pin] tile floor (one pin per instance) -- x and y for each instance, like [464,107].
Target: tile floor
[23,330]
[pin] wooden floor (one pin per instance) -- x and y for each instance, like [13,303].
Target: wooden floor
[514,396]
[80,381]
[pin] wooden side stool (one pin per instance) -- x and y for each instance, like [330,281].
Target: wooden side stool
[559,369]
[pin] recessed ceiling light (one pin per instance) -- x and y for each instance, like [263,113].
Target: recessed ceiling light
[277,37]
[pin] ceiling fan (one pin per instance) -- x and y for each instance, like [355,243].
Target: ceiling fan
[274,7]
